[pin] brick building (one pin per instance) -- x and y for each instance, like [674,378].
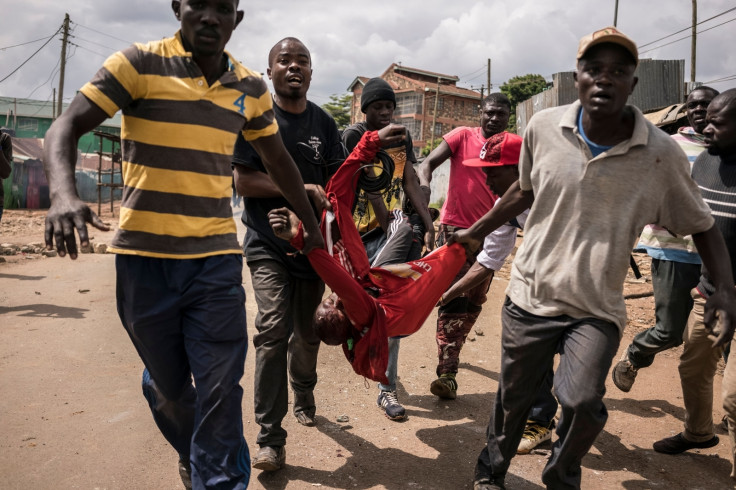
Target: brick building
[416,99]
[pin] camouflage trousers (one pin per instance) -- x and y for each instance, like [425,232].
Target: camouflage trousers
[456,319]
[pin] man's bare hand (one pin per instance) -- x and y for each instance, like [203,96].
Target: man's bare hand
[63,217]
[720,315]
[318,196]
[284,223]
[393,133]
[467,240]
[429,239]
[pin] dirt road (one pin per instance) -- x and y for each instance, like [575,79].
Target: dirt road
[73,415]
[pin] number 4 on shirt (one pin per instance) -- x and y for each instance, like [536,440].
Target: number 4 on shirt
[240,104]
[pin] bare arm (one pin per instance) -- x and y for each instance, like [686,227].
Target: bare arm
[67,211]
[514,202]
[6,155]
[433,160]
[721,305]
[419,200]
[285,175]
[379,208]
[476,275]
[253,183]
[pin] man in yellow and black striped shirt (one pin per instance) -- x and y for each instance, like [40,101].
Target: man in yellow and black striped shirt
[179,266]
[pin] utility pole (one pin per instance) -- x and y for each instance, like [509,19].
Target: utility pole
[488,77]
[434,116]
[615,15]
[693,42]
[53,104]
[62,64]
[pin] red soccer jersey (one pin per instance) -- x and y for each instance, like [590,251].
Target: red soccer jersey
[407,292]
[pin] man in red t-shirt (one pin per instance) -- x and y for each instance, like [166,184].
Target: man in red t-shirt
[374,303]
[457,317]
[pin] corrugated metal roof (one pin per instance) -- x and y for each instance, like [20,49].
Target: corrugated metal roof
[28,148]
[40,109]
[397,68]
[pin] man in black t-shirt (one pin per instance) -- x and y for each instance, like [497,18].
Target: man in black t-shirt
[286,288]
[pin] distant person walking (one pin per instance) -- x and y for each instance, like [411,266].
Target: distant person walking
[6,157]
[675,264]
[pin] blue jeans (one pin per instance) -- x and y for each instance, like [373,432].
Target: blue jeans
[186,318]
[586,347]
[672,282]
[398,247]
[391,368]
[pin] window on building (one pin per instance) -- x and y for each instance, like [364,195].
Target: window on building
[408,103]
[438,129]
[27,124]
[413,126]
[441,104]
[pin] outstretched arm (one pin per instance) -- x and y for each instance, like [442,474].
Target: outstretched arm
[514,202]
[476,275]
[433,160]
[67,211]
[420,202]
[250,182]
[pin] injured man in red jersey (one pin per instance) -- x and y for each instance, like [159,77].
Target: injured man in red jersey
[368,304]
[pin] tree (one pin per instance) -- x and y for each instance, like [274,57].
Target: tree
[520,88]
[339,108]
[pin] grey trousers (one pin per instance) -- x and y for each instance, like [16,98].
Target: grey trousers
[285,343]
[529,343]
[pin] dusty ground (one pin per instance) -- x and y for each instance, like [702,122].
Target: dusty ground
[73,416]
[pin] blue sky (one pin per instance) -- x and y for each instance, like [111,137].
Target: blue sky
[349,38]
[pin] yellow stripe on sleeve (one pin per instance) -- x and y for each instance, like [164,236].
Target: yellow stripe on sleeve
[175,225]
[100,99]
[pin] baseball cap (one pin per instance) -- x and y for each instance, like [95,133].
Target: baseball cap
[607,35]
[498,150]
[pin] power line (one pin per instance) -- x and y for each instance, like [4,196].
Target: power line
[27,42]
[687,28]
[474,72]
[104,34]
[722,79]
[87,49]
[54,70]
[686,37]
[92,42]
[31,56]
